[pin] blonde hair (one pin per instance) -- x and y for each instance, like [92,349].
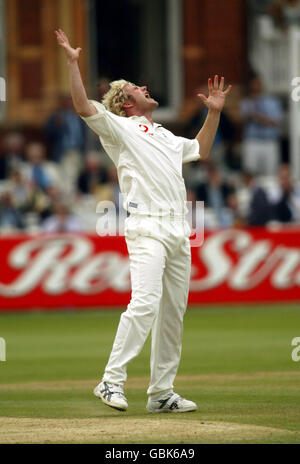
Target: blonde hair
[115,98]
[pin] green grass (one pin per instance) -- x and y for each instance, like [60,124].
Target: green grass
[243,355]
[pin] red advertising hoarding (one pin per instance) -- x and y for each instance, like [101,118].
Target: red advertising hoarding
[69,271]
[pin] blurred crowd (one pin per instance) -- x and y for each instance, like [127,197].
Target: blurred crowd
[283,13]
[56,182]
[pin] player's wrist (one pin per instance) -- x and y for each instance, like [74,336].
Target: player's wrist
[72,61]
[214,112]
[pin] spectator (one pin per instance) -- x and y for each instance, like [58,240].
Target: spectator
[41,179]
[19,188]
[38,171]
[62,220]
[291,13]
[258,211]
[232,215]
[261,115]
[46,208]
[93,175]
[286,13]
[286,197]
[66,135]
[12,153]
[214,193]
[110,191]
[10,216]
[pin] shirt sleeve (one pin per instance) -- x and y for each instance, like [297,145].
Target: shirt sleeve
[190,150]
[107,125]
[246,108]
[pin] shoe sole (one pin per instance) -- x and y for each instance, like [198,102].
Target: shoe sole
[100,397]
[176,411]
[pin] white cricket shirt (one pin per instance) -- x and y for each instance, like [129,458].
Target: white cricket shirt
[149,161]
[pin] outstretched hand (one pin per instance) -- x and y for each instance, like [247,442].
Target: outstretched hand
[217,94]
[62,39]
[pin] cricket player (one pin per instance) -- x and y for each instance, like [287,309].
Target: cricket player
[149,161]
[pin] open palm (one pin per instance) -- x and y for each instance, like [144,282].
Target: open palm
[62,39]
[217,94]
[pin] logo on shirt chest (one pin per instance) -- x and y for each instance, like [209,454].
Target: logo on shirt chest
[145,129]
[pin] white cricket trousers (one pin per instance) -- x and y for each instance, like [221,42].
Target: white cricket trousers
[160,263]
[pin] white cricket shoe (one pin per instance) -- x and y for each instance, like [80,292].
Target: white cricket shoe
[171,403]
[112,395]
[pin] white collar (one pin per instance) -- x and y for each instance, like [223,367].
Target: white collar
[144,119]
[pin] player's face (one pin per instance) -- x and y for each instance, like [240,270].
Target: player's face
[141,97]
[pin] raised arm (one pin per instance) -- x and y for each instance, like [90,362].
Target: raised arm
[215,103]
[80,101]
